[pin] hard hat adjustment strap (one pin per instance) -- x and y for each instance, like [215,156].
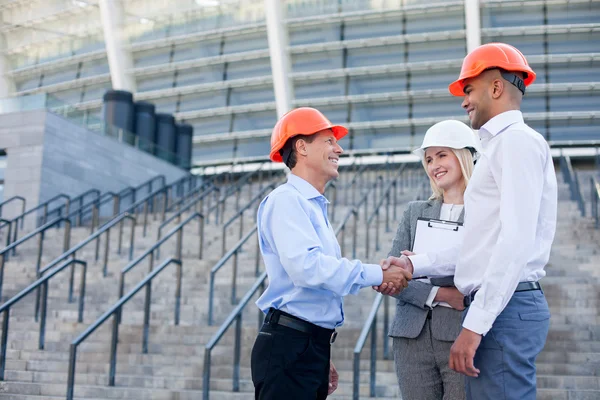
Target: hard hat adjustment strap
[514,79]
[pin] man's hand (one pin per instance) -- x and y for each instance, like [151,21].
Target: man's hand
[402,262]
[333,378]
[387,287]
[463,351]
[394,280]
[452,296]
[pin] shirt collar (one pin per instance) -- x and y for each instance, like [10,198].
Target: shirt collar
[499,123]
[306,189]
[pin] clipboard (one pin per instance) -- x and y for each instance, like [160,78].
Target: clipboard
[433,235]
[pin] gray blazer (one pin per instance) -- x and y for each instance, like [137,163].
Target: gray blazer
[411,311]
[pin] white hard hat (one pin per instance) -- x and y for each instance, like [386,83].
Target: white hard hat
[449,133]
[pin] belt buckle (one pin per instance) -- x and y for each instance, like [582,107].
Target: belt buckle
[333,337]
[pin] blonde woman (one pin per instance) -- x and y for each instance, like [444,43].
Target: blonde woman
[428,318]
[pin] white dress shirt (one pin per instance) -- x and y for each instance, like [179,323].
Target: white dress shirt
[510,220]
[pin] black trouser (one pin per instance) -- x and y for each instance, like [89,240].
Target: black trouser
[290,364]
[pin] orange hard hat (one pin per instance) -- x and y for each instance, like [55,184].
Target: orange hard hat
[494,55]
[300,121]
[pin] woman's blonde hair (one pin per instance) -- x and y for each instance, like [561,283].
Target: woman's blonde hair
[465,159]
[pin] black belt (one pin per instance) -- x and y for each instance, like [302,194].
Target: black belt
[521,287]
[276,317]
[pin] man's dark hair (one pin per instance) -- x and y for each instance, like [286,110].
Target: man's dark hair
[288,151]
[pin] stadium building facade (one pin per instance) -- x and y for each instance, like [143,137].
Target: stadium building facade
[381,67]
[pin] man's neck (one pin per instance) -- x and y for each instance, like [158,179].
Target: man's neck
[310,178]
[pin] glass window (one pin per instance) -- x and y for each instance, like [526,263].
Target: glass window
[201,101]
[248,42]
[196,76]
[211,125]
[379,55]
[378,84]
[378,111]
[94,67]
[196,50]
[382,139]
[587,101]
[71,96]
[319,89]
[448,20]
[249,69]
[254,120]
[574,72]
[438,50]
[534,103]
[314,34]
[447,106]
[306,62]
[161,55]
[573,13]
[528,45]
[574,43]
[574,129]
[362,30]
[165,104]
[155,82]
[506,15]
[64,75]
[254,147]
[212,151]
[434,79]
[337,114]
[28,83]
[241,96]
[538,125]
[95,92]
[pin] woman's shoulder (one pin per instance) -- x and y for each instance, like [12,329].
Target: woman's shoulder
[419,205]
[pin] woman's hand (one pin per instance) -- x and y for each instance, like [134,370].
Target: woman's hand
[452,296]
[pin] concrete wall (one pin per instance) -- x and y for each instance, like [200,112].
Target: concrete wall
[48,155]
[76,160]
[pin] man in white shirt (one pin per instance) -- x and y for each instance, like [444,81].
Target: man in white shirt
[510,221]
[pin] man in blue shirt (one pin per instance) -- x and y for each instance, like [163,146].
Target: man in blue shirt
[307,275]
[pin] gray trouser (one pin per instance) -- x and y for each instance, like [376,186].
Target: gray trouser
[422,368]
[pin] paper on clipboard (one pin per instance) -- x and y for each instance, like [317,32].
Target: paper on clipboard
[434,235]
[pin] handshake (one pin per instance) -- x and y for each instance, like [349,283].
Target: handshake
[397,271]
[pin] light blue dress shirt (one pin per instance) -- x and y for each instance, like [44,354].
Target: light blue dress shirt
[307,275]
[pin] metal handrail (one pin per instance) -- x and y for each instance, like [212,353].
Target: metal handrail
[189,195]
[43,283]
[235,315]
[80,199]
[234,188]
[595,192]
[177,215]
[178,248]
[570,176]
[115,311]
[385,195]
[80,245]
[231,253]
[369,327]
[239,215]
[41,231]
[19,198]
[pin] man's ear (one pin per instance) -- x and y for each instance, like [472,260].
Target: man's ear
[497,88]
[301,147]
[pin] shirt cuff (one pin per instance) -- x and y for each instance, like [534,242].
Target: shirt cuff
[430,299]
[479,320]
[420,263]
[373,275]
